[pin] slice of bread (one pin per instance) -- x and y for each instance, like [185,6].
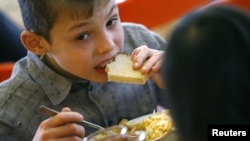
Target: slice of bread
[120,70]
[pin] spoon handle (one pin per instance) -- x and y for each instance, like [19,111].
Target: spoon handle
[50,112]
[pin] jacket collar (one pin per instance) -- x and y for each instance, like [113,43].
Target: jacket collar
[54,85]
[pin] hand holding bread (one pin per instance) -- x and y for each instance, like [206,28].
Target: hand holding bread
[149,61]
[144,62]
[121,70]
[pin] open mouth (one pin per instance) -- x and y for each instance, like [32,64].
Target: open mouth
[103,65]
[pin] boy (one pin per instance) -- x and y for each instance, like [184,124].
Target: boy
[69,43]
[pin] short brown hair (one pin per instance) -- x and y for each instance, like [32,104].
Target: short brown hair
[39,15]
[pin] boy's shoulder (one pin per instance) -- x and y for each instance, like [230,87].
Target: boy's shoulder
[127,26]
[136,35]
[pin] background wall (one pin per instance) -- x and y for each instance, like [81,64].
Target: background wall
[159,15]
[11,9]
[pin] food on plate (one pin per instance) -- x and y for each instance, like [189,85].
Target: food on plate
[120,70]
[155,125]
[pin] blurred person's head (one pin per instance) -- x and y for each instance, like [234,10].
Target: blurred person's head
[207,71]
[243,4]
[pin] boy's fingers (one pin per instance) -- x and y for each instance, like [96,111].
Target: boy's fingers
[66,109]
[140,56]
[63,118]
[68,130]
[152,65]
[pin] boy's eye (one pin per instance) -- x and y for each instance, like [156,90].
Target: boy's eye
[83,36]
[112,21]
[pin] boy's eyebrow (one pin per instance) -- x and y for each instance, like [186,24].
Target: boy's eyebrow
[85,23]
[112,9]
[78,25]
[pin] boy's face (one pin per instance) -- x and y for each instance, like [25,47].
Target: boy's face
[81,47]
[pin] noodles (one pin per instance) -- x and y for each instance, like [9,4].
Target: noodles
[156,125]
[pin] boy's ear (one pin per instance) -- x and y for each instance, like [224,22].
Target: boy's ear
[32,42]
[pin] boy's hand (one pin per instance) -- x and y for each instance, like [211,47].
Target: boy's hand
[62,126]
[149,62]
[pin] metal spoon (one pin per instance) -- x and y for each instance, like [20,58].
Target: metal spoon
[50,112]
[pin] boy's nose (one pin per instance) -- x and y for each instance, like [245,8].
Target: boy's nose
[105,43]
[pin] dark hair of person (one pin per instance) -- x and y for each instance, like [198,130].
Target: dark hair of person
[39,16]
[207,70]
